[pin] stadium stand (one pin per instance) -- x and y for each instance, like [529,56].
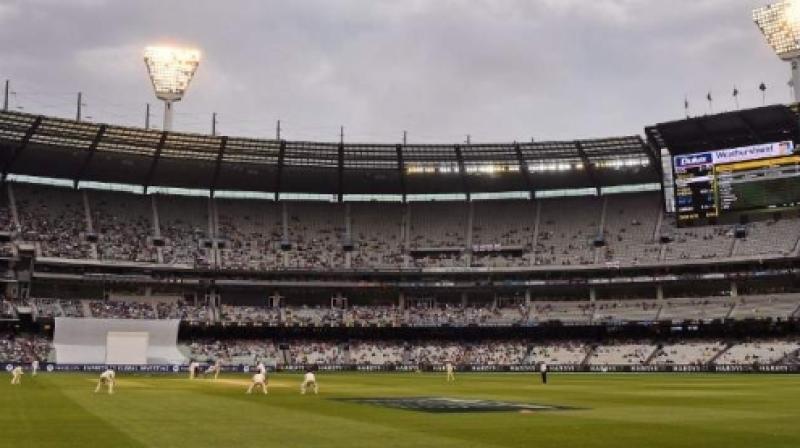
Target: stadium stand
[564,353]
[712,242]
[760,352]
[50,308]
[250,233]
[621,354]
[507,224]
[602,312]
[566,312]
[773,237]
[24,348]
[704,309]
[377,235]
[14,348]
[377,353]
[7,310]
[607,311]
[631,223]
[251,315]
[543,278]
[124,224]
[780,306]
[234,351]
[568,228]
[312,352]
[315,235]
[687,353]
[112,309]
[54,219]
[184,224]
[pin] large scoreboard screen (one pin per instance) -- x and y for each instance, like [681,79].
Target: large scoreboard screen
[710,184]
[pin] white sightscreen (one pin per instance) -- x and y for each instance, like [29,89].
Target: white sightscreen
[84,341]
[126,347]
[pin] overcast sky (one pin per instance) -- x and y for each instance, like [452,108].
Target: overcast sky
[500,70]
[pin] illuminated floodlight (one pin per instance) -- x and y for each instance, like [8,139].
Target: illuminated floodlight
[171,70]
[780,25]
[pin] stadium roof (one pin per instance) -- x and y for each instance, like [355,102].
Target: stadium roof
[53,147]
[727,130]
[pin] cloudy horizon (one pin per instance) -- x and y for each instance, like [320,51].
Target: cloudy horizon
[497,70]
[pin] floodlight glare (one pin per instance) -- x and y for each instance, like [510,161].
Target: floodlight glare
[780,24]
[171,70]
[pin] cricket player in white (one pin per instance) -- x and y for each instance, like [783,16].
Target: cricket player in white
[309,381]
[34,367]
[261,368]
[107,378]
[449,369]
[215,369]
[259,379]
[193,366]
[16,375]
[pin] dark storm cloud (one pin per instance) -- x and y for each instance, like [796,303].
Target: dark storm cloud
[499,70]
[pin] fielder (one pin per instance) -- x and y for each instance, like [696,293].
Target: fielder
[107,378]
[449,369]
[34,367]
[259,379]
[16,375]
[261,368]
[215,369]
[193,366]
[309,381]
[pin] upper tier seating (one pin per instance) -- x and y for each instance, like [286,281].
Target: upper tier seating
[567,229]
[124,225]
[250,234]
[55,218]
[185,226]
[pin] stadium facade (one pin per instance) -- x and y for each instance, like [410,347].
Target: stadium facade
[97,212]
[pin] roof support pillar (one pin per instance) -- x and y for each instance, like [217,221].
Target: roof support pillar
[587,165]
[401,168]
[279,174]
[340,173]
[462,172]
[23,144]
[218,165]
[525,170]
[92,149]
[154,163]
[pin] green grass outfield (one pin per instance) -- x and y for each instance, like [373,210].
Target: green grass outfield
[611,410]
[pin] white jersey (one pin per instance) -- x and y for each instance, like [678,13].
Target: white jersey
[449,368]
[261,368]
[309,382]
[543,367]
[108,375]
[259,378]
[194,366]
[17,371]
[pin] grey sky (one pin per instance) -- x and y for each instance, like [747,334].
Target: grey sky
[499,70]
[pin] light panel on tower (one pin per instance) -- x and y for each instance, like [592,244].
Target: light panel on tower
[171,70]
[780,24]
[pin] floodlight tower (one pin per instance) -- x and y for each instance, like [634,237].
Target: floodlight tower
[171,70]
[780,24]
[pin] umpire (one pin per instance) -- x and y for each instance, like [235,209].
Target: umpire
[543,372]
